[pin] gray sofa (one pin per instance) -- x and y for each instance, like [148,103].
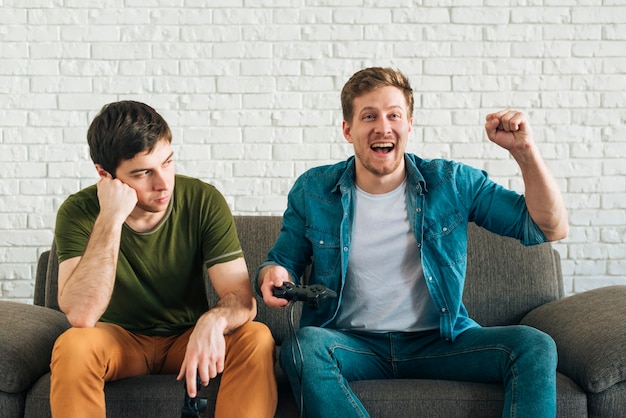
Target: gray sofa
[506,284]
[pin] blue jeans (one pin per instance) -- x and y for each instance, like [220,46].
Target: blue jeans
[321,362]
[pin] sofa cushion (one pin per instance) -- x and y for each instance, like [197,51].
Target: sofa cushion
[28,333]
[501,292]
[454,399]
[593,356]
[154,396]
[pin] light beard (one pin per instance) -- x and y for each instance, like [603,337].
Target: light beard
[385,170]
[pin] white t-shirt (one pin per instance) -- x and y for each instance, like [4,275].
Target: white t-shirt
[385,288]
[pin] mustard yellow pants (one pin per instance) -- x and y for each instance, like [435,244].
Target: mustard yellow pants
[83,359]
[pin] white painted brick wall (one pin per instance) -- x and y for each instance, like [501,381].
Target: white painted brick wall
[251,90]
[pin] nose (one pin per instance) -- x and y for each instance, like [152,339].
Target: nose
[383,126]
[159,181]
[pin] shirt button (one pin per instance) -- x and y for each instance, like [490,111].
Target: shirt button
[345,249]
[321,242]
[444,310]
[418,210]
[430,278]
[419,245]
[445,229]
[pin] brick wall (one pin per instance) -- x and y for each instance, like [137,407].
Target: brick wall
[251,90]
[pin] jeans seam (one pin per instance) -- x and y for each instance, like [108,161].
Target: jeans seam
[392,359]
[465,351]
[340,379]
[513,386]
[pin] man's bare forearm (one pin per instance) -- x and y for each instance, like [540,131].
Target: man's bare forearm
[86,291]
[543,197]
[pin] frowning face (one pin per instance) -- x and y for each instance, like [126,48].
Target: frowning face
[151,175]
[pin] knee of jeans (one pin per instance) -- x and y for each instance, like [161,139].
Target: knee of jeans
[538,343]
[312,334]
[305,343]
[314,340]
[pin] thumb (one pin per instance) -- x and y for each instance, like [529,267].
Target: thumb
[491,126]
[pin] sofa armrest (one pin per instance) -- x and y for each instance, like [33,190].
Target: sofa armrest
[590,334]
[28,333]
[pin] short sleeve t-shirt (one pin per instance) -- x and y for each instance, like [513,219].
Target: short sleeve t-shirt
[160,277]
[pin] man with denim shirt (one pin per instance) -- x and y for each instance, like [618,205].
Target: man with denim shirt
[387,231]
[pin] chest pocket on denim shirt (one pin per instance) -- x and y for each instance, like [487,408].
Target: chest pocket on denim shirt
[326,252]
[446,235]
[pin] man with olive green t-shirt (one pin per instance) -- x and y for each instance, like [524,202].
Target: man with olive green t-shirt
[132,252]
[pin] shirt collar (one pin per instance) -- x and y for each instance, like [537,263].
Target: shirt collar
[414,177]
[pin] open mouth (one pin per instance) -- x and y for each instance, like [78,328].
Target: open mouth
[382,147]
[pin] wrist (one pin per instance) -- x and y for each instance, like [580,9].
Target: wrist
[110,220]
[527,156]
[212,320]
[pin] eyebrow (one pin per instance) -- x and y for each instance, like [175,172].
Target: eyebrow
[369,108]
[139,170]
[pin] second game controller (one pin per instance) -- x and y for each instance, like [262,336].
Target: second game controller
[193,407]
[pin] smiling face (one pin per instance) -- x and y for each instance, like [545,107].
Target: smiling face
[151,175]
[379,132]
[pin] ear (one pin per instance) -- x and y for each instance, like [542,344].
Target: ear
[102,172]
[347,131]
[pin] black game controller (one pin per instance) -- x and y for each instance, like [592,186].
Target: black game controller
[312,294]
[192,407]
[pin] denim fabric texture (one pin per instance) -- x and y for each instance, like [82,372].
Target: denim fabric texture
[521,357]
[442,197]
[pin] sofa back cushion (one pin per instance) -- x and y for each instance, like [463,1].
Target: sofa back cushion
[47,286]
[257,235]
[505,280]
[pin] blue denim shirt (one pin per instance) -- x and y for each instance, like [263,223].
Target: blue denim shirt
[442,197]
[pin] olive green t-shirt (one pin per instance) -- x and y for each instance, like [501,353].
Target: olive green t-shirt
[160,278]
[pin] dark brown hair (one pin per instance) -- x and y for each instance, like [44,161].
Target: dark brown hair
[121,130]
